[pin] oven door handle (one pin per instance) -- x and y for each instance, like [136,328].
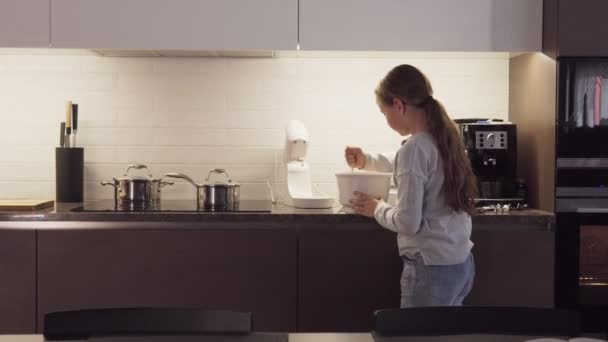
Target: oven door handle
[592,210]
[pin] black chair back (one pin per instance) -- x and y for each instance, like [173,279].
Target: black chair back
[465,320]
[82,324]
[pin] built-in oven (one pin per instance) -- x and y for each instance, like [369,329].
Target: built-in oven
[581,190]
[581,269]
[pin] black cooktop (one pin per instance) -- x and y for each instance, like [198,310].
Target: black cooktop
[175,206]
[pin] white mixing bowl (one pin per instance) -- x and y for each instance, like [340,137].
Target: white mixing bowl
[375,184]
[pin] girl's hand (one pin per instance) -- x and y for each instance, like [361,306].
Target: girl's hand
[354,157]
[364,204]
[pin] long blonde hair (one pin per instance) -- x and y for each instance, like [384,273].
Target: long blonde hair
[411,86]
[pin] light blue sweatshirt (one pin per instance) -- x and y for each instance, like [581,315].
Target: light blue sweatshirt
[424,223]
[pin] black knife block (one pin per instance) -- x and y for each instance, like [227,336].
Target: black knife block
[69,169]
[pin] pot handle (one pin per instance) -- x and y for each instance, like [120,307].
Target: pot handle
[113,184]
[197,186]
[163,183]
[183,176]
[138,167]
[218,171]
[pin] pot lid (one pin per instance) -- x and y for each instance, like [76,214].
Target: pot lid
[219,183]
[135,178]
[128,177]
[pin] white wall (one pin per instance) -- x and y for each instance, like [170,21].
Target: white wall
[192,114]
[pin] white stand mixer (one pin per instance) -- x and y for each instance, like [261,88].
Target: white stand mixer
[299,186]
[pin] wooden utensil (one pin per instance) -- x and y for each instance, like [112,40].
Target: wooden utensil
[25,205]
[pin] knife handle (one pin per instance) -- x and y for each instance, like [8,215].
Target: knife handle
[74,116]
[68,116]
[62,134]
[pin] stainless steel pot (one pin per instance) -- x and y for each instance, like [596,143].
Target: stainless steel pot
[215,194]
[137,191]
[221,194]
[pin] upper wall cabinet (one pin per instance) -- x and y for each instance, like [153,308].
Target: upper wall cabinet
[24,23]
[421,25]
[175,24]
[575,28]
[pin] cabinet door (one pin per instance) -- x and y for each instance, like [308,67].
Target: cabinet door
[175,24]
[344,276]
[512,267]
[24,23]
[582,28]
[421,25]
[242,270]
[17,281]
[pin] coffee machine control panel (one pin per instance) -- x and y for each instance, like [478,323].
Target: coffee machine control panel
[491,140]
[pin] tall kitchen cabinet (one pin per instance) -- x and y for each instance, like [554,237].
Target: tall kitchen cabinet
[17,281]
[175,24]
[574,28]
[573,37]
[571,29]
[24,23]
[252,270]
[421,25]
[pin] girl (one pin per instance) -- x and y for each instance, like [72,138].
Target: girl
[435,191]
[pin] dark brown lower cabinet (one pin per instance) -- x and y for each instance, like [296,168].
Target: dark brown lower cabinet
[244,270]
[17,281]
[344,276]
[513,268]
[308,279]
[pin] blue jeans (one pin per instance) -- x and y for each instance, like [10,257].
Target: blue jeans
[423,285]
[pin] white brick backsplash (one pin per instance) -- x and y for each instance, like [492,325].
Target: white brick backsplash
[66,64]
[127,155]
[261,69]
[245,119]
[27,190]
[15,135]
[27,172]
[255,191]
[171,102]
[125,65]
[206,68]
[137,99]
[190,137]
[254,137]
[95,81]
[12,153]
[190,115]
[100,154]
[103,172]
[91,136]
[212,155]
[94,191]
[251,95]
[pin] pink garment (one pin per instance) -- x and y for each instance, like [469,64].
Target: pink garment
[597,101]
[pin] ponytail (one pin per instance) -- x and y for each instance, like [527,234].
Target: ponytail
[460,185]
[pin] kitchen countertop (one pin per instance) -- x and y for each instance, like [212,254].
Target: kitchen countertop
[279,214]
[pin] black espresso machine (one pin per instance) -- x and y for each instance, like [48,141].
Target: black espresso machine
[491,145]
